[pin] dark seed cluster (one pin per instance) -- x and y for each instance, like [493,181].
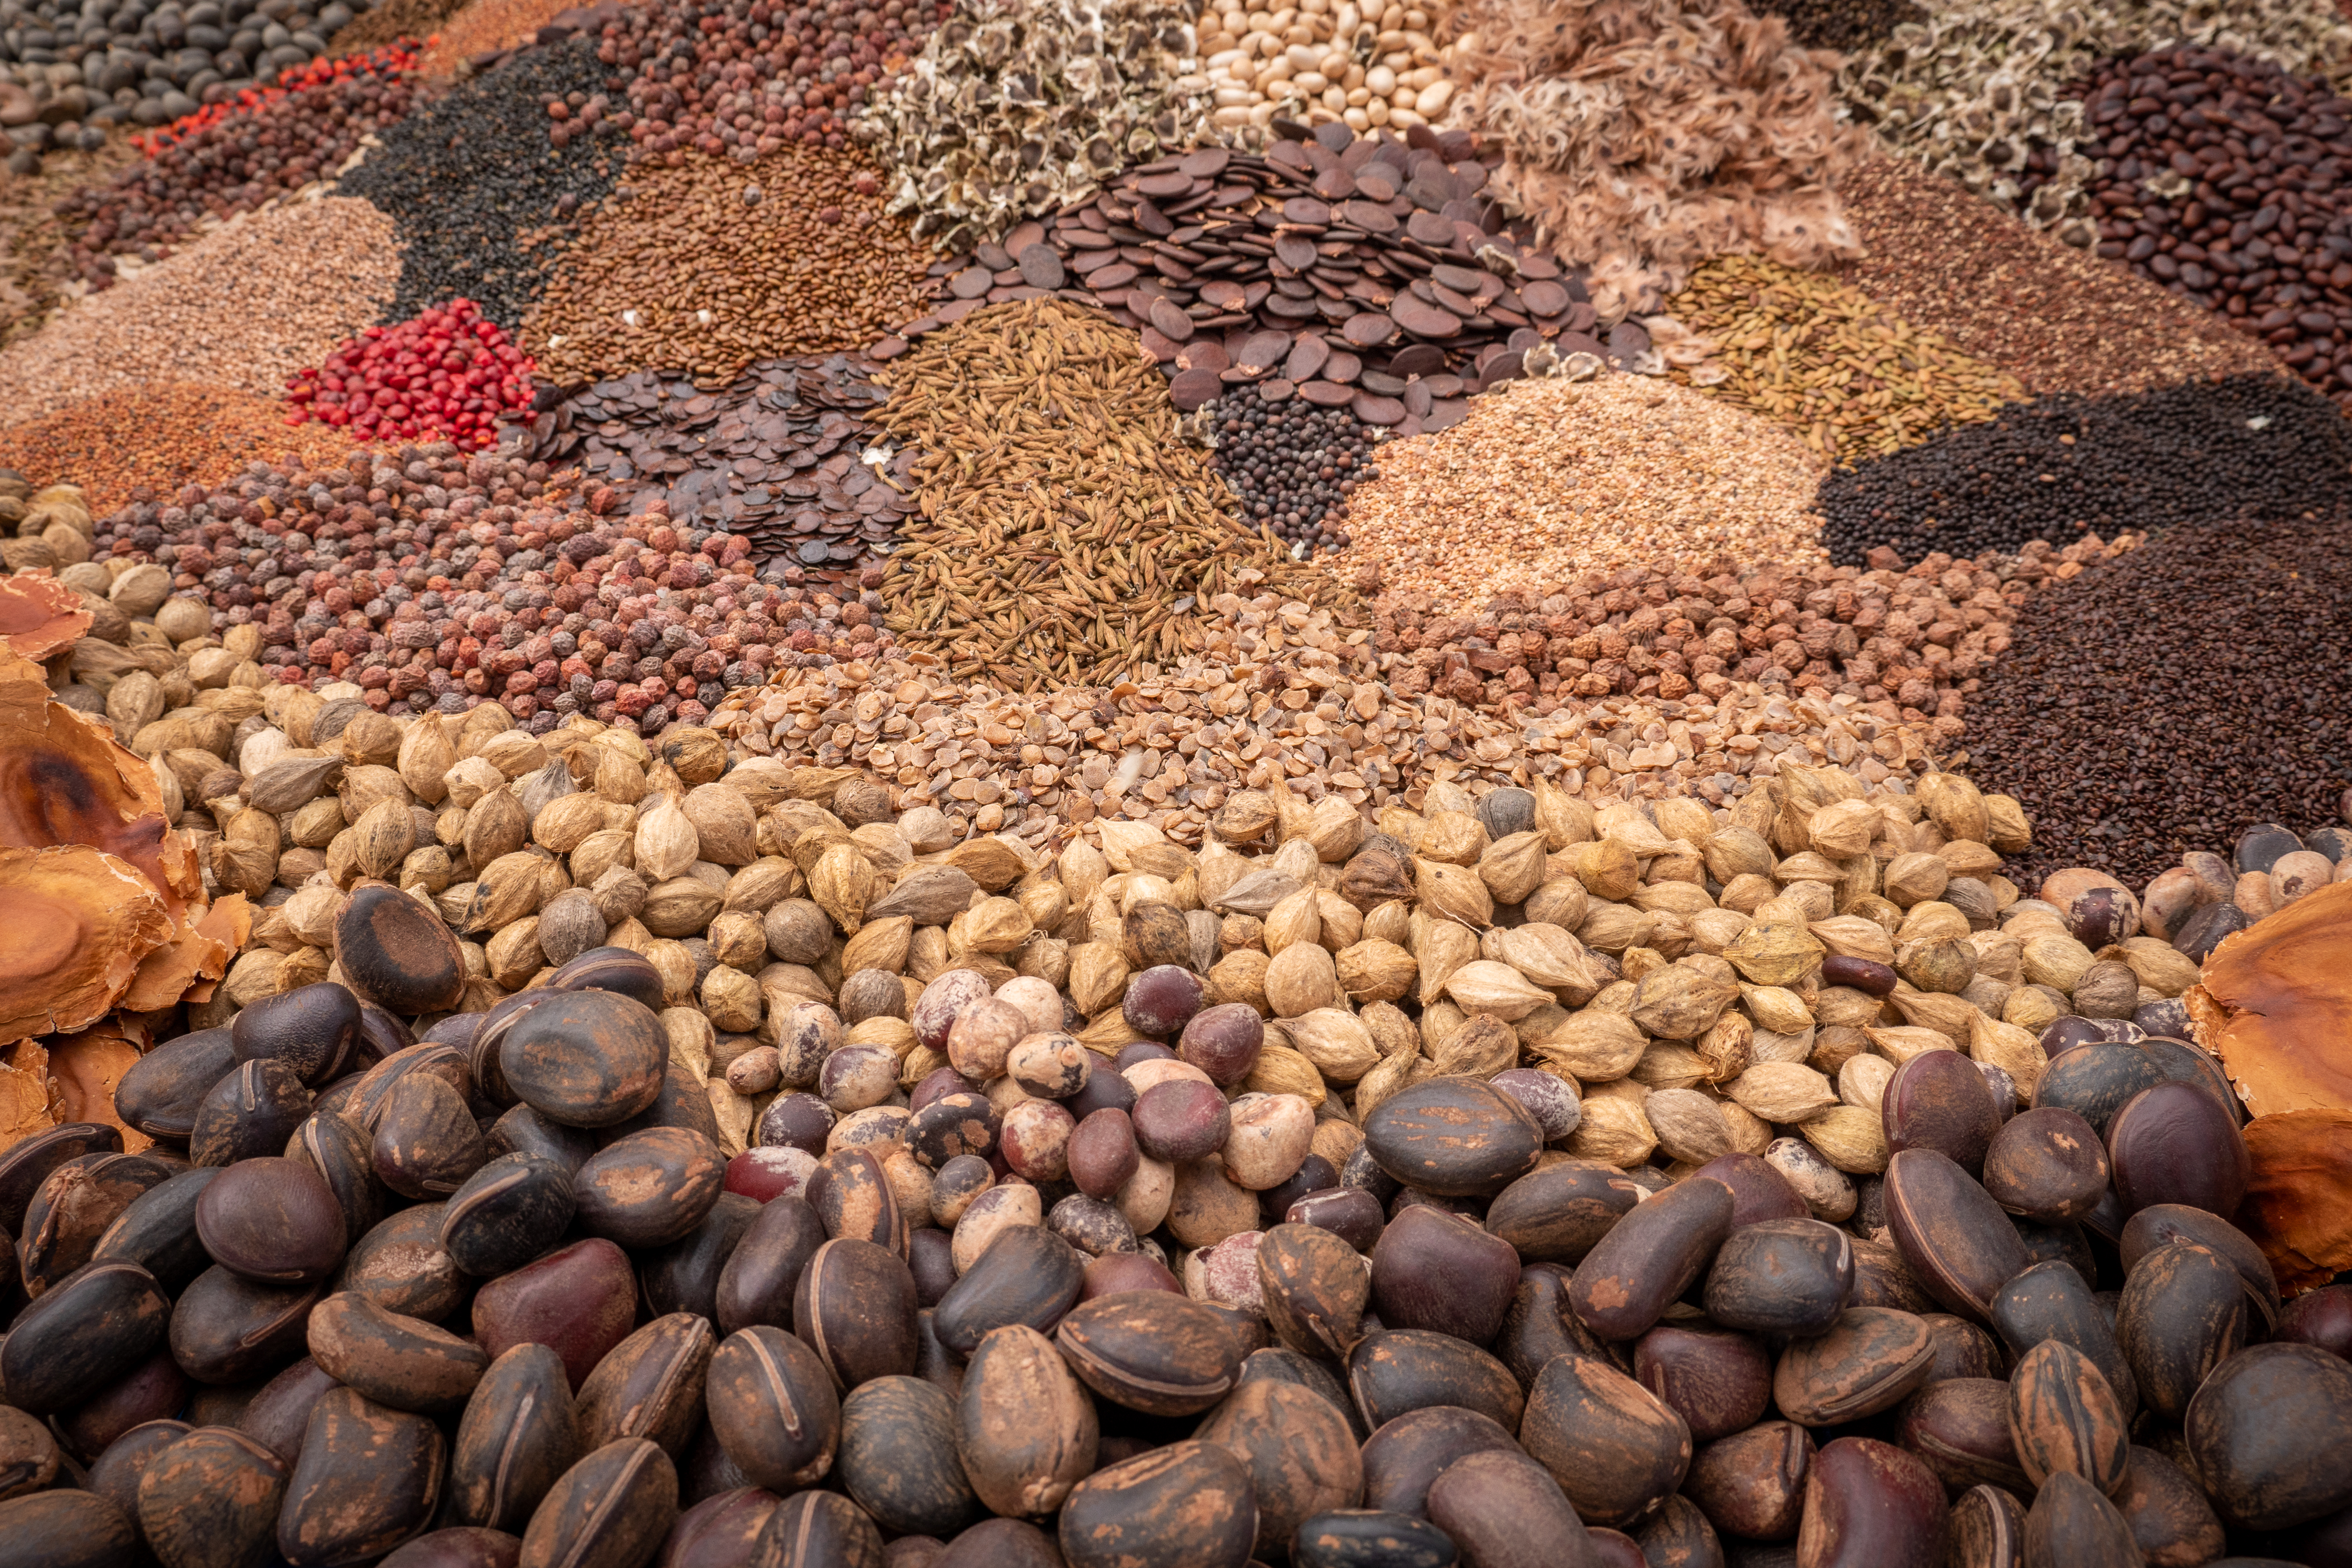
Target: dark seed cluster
[2223,187]
[2174,693]
[484,204]
[1846,25]
[2065,466]
[1292,464]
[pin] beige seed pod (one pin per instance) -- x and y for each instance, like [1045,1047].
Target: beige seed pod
[1682,1001]
[1852,1140]
[666,842]
[1863,1080]
[2059,962]
[680,907]
[1613,1130]
[1482,1047]
[1781,1091]
[1933,920]
[2006,828]
[726,828]
[1455,893]
[383,835]
[1375,971]
[1513,867]
[1955,805]
[1947,1015]
[1561,901]
[1727,1047]
[1749,1133]
[1097,975]
[1241,977]
[1301,979]
[1386,1078]
[1826,1190]
[1844,828]
[840,882]
[1615,928]
[1335,1041]
[495,825]
[1595,1046]
[1443,947]
[994,925]
[1900,1043]
[1392,1032]
[1451,837]
[1913,878]
[1688,1124]
[1483,986]
[2012,1049]
[1561,818]
[1281,1069]
[1296,917]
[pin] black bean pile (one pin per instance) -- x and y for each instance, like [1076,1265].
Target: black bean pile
[484,204]
[2175,693]
[2064,466]
[774,458]
[1844,25]
[2252,222]
[233,165]
[1293,466]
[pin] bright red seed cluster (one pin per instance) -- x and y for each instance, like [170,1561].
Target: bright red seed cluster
[447,374]
[392,60]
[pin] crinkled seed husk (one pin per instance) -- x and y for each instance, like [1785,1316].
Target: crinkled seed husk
[1298,918]
[1688,1126]
[1614,1130]
[1281,1069]
[1546,954]
[1681,1000]
[726,828]
[1955,805]
[1727,1048]
[1851,1139]
[1334,1039]
[1375,971]
[1781,1091]
[1257,894]
[504,892]
[1513,867]
[878,945]
[1238,977]
[1483,986]
[1774,954]
[2012,1049]
[1481,1048]
[1453,891]
[840,882]
[1441,948]
[1901,1042]
[995,924]
[1392,1032]
[1300,979]
[927,895]
[667,843]
[1844,830]
[1669,1064]
[1947,1016]
[426,757]
[1097,975]
[1595,1046]
[1246,817]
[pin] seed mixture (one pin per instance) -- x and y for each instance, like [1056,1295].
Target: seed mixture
[717,263]
[1363,66]
[1852,379]
[157,435]
[1547,477]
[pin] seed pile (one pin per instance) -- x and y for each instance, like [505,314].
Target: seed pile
[36,270]
[393,20]
[446,375]
[2262,235]
[777,458]
[1291,465]
[2049,314]
[1338,265]
[1015,108]
[1846,25]
[2062,466]
[1643,140]
[2210,896]
[1063,531]
[2167,698]
[744,81]
[1554,478]
[714,264]
[1852,379]
[243,308]
[398,53]
[1367,66]
[483,205]
[160,436]
[234,165]
[486,29]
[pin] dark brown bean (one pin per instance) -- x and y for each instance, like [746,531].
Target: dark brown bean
[855,1306]
[1987,1530]
[1679,1536]
[1649,1257]
[1881,1279]
[1616,1449]
[1540,1322]
[2174,1144]
[2064,1418]
[1716,1380]
[1180,1119]
[249,1112]
[2073,1525]
[427,1140]
[585,1059]
[820,1530]
[400,1266]
[519,1433]
[850,1195]
[507,1213]
[683,1277]
[649,1386]
[1025,1427]
[1393,1372]
[2095,1080]
[650,1188]
[1938,1101]
[1436,1269]
[1350,1213]
[1360,1538]
[74,1207]
[1962,1349]
[369,1478]
[398,953]
[2267,1431]
[67,1530]
[1456,1137]
[1961,1427]
[722,1531]
[1950,1232]
[1301,1455]
[772,1409]
[2160,1224]
[341,1151]
[2046,1163]
[151,1391]
[1189,1505]
[1150,1351]
[2171,1521]
[311,1029]
[612,969]
[1403,1459]
[609,1510]
[1870,1505]
[2050,1301]
[1502,1509]
[579,1301]
[211,1501]
[1314,1287]
[757,1284]
[28,1454]
[115,1475]
[1781,1275]
[2182,1312]
[227,1329]
[1759,1191]
[272,1220]
[97,1325]
[2322,1317]
[1868,1362]
[1028,1275]
[158,1230]
[522,1130]
[1561,1213]
[899,1457]
[1752,1483]
[462,1546]
[400,1362]
[158,1096]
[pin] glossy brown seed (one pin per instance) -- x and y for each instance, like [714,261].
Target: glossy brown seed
[369,1478]
[1679,1536]
[1961,1427]
[855,1306]
[2064,1418]
[27,1163]
[855,1201]
[820,1530]
[1150,1350]
[227,1329]
[1103,1152]
[1502,1509]
[1870,1359]
[585,1059]
[2268,1430]
[2073,1525]
[757,1284]
[67,1530]
[1393,1372]
[1561,1213]
[1716,1380]
[1350,1213]
[1759,1191]
[272,1220]
[649,1386]
[609,1510]
[427,1140]
[462,1546]
[280,1413]
[366,1099]
[953,1125]
[683,1277]
[1348,1537]
[2094,1080]
[1275,1365]
[1950,1232]
[1781,1275]
[1881,1279]
[211,1501]
[1987,1530]
[519,1433]
[1541,1323]
[1650,1257]
[1870,1505]
[2161,1224]
[2322,1317]
[158,1096]
[650,1188]
[579,1301]
[1938,1101]
[1301,1455]
[1433,1269]
[1025,1427]
[2047,1164]
[251,1112]
[899,1457]
[115,1475]
[1027,1275]
[2171,1523]
[2174,1144]
[1189,1505]
[151,1391]
[400,1362]
[1314,1286]
[396,953]
[1752,1483]
[311,1029]
[772,1409]
[612,969]
[1403,1459]
[722,1531]
[75,1206]
[1962,1349]
[399,1265]
[2050,1301]
[28,1454]
[1614,1448]
[522,1130]
[343,1155]
[1456,1137]
[506,1213]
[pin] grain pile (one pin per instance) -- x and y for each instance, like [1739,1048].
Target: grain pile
[1852,379]
[712,265]
[777,457]
[36,270]
[243,308]
[1065,532]
[158,435]
[1552,477]
[485,29]
[1018,108]
[2045,312]
[2168,699]
[2065,466]
[1644,139]
[1365,66]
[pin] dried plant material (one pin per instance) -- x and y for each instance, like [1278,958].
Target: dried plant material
[2298,1204]
[1614,1131]
[1483,986]
[1595,1046]
[1775,953]
[1482,1047]
[1334,1039]
[1297,918]
[1688,1124]
[1851,1139]
[78,922]
[724,824]
[1280,1070]
[2058,961]
[1301,979]
[2012,1049]
[1512,868]
[1374,970]
[1549,957]
[2161,967]
[1782,1091]
[2276,1004]
[1682,1001]
[1455,893]
[39,616]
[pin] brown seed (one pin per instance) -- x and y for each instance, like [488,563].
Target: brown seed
[2064,1418]
[1613,1447]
